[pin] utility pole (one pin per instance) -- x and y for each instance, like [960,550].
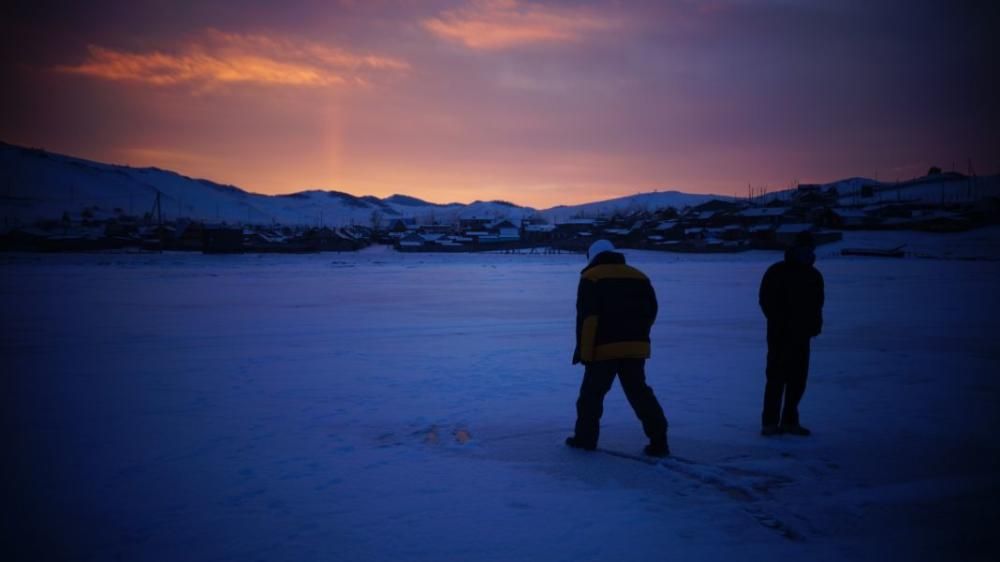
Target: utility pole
[13,177]
[157,209]
[971,182]
[159,219]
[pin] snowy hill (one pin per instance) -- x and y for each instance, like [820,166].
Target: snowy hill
[42,185]
[639,202]
[943,188]
[35,184]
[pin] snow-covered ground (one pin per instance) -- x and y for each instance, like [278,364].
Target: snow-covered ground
[384,406]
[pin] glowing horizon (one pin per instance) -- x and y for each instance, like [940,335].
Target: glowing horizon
[537,103]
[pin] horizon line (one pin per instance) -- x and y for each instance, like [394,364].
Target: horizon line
[448,204]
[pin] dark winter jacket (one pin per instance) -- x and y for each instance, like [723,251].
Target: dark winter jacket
[791,296]
[615,308]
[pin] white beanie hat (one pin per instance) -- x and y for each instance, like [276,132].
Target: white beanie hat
[598,247]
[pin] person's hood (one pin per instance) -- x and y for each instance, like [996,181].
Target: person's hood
[597,247]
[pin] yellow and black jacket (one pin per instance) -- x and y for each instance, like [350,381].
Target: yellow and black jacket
[615,308]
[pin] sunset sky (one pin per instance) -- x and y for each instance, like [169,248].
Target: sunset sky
[538,103]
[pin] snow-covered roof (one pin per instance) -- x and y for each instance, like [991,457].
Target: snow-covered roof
[939,214]
[500,224]
[539,227]
[875,207]
[759,212]
[850,213]
[617,231]
[794,228]
[270,237]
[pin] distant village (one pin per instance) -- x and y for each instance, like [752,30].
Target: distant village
[759,222]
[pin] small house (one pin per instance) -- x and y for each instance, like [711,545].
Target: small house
[411,241]
[401,226]
[786,233]
[474,223]
[504,230]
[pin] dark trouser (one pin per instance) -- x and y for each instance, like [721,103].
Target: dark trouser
[597,380]
[787,370]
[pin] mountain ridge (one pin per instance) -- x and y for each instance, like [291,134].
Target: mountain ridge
[40,185]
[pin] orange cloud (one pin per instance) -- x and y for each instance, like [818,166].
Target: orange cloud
[217,58]
[502,24]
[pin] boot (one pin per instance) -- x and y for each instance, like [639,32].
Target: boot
[770,430]
[657,449]
[795,429]
[576,443]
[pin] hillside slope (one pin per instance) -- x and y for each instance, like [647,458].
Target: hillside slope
[41,185]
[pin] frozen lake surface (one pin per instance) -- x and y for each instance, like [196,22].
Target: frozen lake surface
[379,406]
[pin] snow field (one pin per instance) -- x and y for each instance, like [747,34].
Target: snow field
[379,406]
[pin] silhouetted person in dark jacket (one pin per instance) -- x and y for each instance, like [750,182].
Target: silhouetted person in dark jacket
[615,309]
[791,296]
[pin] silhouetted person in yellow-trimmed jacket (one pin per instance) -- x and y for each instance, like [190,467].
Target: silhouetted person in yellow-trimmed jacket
[615,309]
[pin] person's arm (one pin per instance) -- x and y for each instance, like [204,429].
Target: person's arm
[767,296]
[653,305]
[579,321]
[821,300]
[586,317]
[822,290]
